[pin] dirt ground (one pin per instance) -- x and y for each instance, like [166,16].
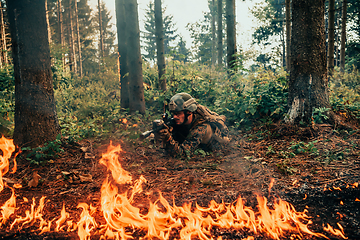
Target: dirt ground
[315,169]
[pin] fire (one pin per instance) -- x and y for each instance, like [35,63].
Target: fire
[118,217]
[7,146]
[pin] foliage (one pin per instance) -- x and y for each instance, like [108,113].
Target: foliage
[41,155]
[7,100]
[345,94]
[243,99]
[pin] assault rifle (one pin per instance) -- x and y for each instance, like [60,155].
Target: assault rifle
[159,124]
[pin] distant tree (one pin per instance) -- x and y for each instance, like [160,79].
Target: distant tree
[101,36]
[149,36]
[343,35]
[181,53]
[231,34]
[288,33]
[200,32]
[159,34]
[213,32]
[353,43]
[308,86]
[270,31]
[220,32]
[108,35]
[35,113]
[331,37]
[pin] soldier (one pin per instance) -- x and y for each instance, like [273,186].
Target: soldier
[195,127]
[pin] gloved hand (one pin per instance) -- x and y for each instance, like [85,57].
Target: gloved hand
[165,134]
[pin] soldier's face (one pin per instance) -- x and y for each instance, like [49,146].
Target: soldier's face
[179,117]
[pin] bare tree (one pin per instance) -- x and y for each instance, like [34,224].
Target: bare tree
[35,113]
[73,63]
[61,27]
[288,33]
[343,35]
[231,34]
[213,35]
[219,32]
[159,33]
[331,37]
[101,49]
[78,38]
[3,55]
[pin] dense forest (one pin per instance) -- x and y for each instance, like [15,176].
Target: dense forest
[70,84]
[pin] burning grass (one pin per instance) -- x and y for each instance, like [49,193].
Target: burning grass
[119,216]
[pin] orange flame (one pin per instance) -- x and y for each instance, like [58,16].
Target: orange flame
[7,146]
[8,208]
[120,214]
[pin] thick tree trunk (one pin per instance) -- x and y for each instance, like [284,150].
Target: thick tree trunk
[159,33]
[136,87]
[231,34]
[331,37]
[288,33]
[78,39]
[343,36]
[308,77]
[220,33]
[122,48]
[35,114]
[213,35]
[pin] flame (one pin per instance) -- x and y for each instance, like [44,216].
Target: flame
[336,232]
[120,216]
[8,208]
[7,146]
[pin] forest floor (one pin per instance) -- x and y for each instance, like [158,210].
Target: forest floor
[317,170]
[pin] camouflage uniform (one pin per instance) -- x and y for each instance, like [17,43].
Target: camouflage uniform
[203,132]
[199,134]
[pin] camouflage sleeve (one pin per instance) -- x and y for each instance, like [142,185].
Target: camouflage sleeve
[192,141]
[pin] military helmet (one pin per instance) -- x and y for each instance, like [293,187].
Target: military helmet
[182,101]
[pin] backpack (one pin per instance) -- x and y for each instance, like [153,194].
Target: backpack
[215,120]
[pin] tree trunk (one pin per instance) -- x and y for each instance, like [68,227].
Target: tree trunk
[231,34]
[159,32]
[61,28]
[3,55]
[213,35]
[78,39]
[72,38]
[136,87]
[35,113]
[288,33]
[308,84]
[220,33]
[47,21]
[101,50]
[343,36]
[122,48]
[331,36]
